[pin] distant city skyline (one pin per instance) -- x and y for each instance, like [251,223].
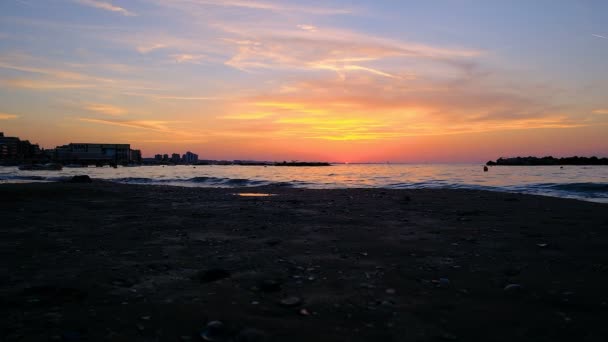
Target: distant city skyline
[343,81]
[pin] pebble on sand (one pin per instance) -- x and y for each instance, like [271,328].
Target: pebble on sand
[291,301]
[214,331]
[513,288]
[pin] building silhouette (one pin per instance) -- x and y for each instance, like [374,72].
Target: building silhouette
[15,149]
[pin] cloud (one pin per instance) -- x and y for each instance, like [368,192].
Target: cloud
[369,108]
[143,49]
[281,7]
[308,28]
[153,125]
[340,51]
[105,109]
[246,116]
[41,70]
[187,58]
[44,77]
[188,98]
[105,6]
[42,84]
[6,116]
[600,111]
[599,36]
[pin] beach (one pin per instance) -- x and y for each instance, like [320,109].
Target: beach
[119,262]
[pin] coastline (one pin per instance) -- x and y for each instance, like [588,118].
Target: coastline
[108,261]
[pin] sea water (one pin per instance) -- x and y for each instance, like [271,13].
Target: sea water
[589,183]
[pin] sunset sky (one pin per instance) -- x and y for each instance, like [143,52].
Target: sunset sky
[346,81]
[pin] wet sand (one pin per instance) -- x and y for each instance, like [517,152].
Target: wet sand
[102,261]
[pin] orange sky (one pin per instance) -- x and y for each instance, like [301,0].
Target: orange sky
[290,80]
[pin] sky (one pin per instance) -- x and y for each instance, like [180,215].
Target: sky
[343,81]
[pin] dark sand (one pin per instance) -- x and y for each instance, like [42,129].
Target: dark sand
[101,262]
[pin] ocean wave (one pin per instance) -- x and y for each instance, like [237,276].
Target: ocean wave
[586,188]
[201,181]
[23,178]
[580,187]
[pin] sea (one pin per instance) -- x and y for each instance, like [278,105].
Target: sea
[587,183]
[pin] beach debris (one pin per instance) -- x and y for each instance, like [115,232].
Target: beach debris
[214,331]
[542,245]
[513,288]
[251,335]
[81,179]
[441,282]
[211,275]
[290,301]
[304,312]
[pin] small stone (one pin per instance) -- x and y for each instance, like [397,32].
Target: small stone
[513,288]
[390,291]
[140,327]
[542,245]
[214,331]
[304,312]
[290,301]
[81,179]
[145,318]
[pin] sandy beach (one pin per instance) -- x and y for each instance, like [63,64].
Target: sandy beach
[111,262]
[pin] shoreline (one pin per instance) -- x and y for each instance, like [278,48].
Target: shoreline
[188,183]
[109,261]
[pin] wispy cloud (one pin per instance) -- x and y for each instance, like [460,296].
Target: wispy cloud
[309,28]
[33,84]
[106,6]
[600,111]
[149,48]
[189,98]
[6,116]
[260,5]
[599,36]
[41,70]
[246,116]
[105,109]
[153,125]
[187,58]
[341,51]
[367,108]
